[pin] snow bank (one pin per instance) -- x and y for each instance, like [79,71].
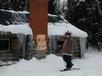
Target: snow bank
[22,28]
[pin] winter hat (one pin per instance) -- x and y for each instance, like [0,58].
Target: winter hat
[67,33]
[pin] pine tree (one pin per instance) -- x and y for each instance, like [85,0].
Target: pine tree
[87,16]
[17,5]
[51,7]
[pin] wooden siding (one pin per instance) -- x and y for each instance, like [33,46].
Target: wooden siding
[56,44]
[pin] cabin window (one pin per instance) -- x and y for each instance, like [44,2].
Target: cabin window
[59,46]
[4,45]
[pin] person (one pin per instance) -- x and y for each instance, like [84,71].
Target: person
[67,51]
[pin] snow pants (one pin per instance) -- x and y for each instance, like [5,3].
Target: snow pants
[67,60]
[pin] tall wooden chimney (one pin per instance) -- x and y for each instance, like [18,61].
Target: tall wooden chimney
[38,21]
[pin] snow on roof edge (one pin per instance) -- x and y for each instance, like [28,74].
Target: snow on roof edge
[21,28]
[76,32]
[12,11]
[58,29]
[52,15]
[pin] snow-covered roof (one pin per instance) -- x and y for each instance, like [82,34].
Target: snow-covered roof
[60,28]
[12,11]
[22,28]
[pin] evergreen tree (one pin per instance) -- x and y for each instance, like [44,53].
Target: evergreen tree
[51,7]
[87,15]
[17,5]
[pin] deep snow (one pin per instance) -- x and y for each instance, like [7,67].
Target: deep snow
[90,65]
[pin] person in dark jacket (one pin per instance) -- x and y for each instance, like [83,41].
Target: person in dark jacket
[67,51]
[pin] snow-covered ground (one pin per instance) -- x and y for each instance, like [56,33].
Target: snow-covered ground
[91,65]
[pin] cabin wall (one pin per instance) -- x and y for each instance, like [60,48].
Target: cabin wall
[83,46]
[12,46]
[56,44]
[15,46]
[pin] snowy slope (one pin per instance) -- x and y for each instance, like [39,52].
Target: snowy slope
[50,66]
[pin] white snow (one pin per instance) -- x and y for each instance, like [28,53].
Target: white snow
[91,65]
[22,28]
[18,28]
[52,15]
[12,11]
[66,0]
[63,0]
[61,28]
